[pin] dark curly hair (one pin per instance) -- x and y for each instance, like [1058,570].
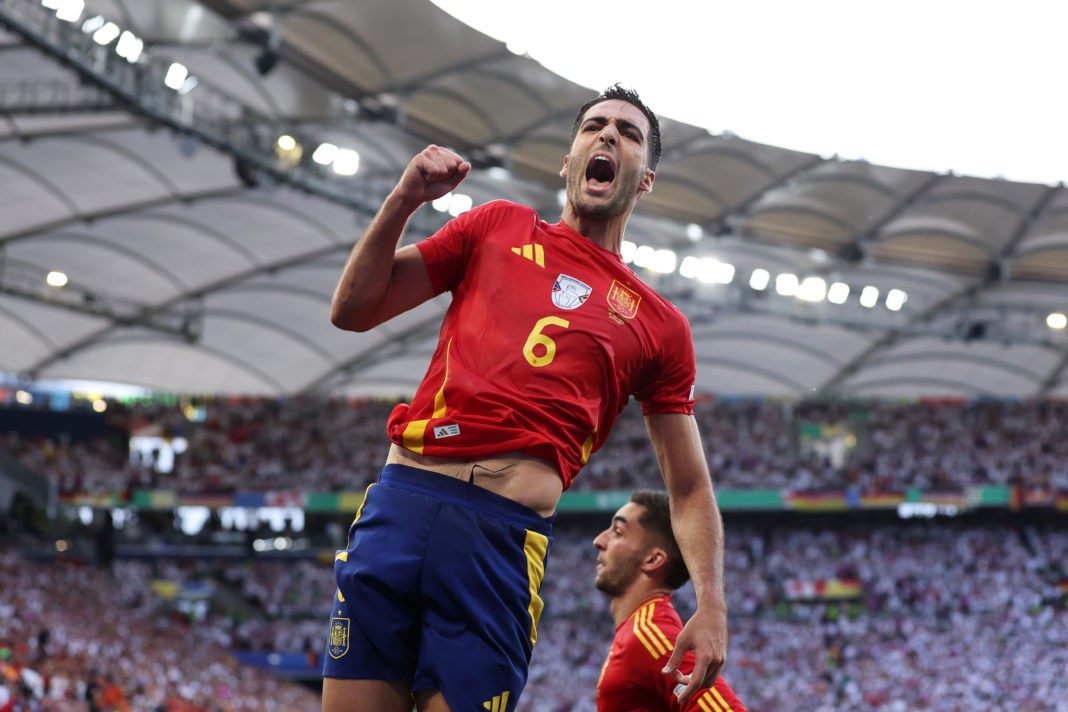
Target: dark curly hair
[630,96]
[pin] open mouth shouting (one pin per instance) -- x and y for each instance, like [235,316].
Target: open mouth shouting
[600,172]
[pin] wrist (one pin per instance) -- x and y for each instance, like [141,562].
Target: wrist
[401,203]
[714,601]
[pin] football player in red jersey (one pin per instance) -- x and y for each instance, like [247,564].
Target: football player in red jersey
[547,337]
[639,566]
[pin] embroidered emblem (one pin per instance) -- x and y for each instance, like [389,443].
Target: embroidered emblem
[623,301]
[570,293]
[339,637]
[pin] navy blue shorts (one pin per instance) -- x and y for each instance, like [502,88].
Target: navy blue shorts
[439,586]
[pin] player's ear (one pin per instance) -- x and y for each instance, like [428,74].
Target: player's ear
[563,171]
[655,558]
[646,186]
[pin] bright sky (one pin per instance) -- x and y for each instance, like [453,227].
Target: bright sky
[979,87]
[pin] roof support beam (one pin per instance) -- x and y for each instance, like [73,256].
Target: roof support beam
[205,112]
[53,96]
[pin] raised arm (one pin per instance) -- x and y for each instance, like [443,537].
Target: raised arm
[379,281]
[698,529]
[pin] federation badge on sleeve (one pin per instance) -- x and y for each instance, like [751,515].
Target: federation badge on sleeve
[339,637]
[623,301]
[570,293]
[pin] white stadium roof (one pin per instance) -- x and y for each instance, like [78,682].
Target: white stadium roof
[199,258]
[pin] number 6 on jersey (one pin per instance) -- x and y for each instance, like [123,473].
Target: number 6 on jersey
[537,338]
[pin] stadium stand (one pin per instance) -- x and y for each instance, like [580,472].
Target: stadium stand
[929,602]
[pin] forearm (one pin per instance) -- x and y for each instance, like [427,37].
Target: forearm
[695,516]
[370,268]
[698,529]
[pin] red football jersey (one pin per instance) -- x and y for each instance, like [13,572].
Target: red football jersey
[547,337]
[631,678]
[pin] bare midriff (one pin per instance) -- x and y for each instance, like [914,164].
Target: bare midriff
[530,481]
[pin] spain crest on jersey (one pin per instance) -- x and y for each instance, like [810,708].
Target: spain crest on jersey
[570,293]
[339,637]
[623,301]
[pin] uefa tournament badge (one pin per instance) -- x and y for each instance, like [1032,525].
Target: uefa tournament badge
[570,293]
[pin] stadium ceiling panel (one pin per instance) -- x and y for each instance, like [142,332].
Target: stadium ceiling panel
[200,256]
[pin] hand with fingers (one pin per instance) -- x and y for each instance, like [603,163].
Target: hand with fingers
[706,635]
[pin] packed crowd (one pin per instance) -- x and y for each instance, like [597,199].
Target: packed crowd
[952,616]
[76,637]
[330,445]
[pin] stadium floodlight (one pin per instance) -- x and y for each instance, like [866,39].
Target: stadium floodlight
[786,284]
[288,152]
[895,299]
[869,296]
[838,293]
[627,251]
[695,232]
[459,204]
[66,10]
[325,154]
[176,76]
[56,279]
[662,261]
[759,279]
[106,34]
[130,47]
[643,256]
[812,289]
[1056,320]
[690,267]
[707,269]
[93,24]
[441,204]
[188,85]
[723,272]
[346,162]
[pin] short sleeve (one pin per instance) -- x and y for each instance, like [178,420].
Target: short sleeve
[447,252]
[671,380]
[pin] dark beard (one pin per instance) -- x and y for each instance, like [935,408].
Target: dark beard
[617,582]
[615,207]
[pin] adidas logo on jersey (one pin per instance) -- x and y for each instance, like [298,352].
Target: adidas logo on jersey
[535,253]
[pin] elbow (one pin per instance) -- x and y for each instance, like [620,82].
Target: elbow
[349,319]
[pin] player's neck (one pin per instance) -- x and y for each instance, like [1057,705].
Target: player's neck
[628,602]
[606,233]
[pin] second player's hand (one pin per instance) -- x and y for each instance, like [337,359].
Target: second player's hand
[432,173]
[706,635]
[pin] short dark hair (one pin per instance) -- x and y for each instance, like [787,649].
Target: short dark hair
[656,522]
[630,96]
